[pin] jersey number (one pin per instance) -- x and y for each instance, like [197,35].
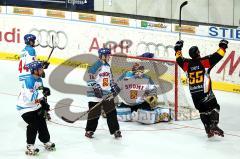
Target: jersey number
[20,68]
[195,77]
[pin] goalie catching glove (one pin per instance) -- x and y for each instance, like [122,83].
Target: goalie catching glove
[152,101]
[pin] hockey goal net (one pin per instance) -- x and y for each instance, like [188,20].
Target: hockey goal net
[167,78]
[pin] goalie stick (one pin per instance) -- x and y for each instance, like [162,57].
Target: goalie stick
[84,115]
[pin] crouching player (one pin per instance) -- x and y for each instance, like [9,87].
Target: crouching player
[33,107]
[139,94]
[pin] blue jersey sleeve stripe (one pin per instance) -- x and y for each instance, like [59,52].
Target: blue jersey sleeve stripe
[31,51]
[93,69]
[34,96]
[21,108]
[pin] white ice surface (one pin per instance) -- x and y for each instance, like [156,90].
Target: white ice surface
[176,140]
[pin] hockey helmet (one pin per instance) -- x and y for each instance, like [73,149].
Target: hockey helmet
[104,51]
[28,38]
[147,55]
[194,52]
[35,65]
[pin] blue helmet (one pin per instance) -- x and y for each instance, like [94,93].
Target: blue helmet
[28,38]
[103,51]
[35,65]
[147,55]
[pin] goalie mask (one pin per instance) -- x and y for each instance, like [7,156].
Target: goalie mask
[138,70]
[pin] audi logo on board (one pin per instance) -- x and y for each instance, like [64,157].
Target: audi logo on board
[156,48]
[50,38]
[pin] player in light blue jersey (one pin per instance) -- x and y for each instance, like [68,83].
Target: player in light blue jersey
[32,106]
[101,84]
[28,55]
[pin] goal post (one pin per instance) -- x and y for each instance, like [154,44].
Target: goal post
[166,76]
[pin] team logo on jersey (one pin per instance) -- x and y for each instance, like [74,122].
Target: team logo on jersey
[133,94]
[104,74]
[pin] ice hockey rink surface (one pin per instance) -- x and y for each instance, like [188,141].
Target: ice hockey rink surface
[174,140]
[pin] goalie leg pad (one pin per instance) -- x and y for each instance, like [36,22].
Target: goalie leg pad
[164,114]
[124,114]
[147,116]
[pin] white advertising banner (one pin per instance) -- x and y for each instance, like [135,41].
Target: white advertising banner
[74,37]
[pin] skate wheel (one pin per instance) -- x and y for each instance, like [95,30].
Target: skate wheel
[26,152]
[50,148]
[31,153]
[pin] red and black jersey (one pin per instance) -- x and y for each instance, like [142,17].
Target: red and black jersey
[198,70]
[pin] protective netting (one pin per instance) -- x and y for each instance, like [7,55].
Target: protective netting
[166,77]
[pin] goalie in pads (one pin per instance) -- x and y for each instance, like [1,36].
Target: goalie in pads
[138,93]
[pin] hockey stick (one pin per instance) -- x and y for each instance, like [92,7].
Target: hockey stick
[180,18]
[53,47]
[84,115]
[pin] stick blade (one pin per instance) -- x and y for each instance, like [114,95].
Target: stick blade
[67,120]
[82,116]
[183,4]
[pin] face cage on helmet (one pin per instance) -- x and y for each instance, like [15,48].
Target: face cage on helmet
[28,42]
[32,71]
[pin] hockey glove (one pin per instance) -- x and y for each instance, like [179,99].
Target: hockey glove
[46,91]
[179,45]
[44,104]
[223,44]
[115,89]
[97,90]
[152,101]
[45,64]
[43,75]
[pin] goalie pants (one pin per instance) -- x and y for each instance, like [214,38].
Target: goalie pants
[208,108]
[143,105]
[111,114]
[36,125]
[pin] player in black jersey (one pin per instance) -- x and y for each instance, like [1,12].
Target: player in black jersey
[198,70]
